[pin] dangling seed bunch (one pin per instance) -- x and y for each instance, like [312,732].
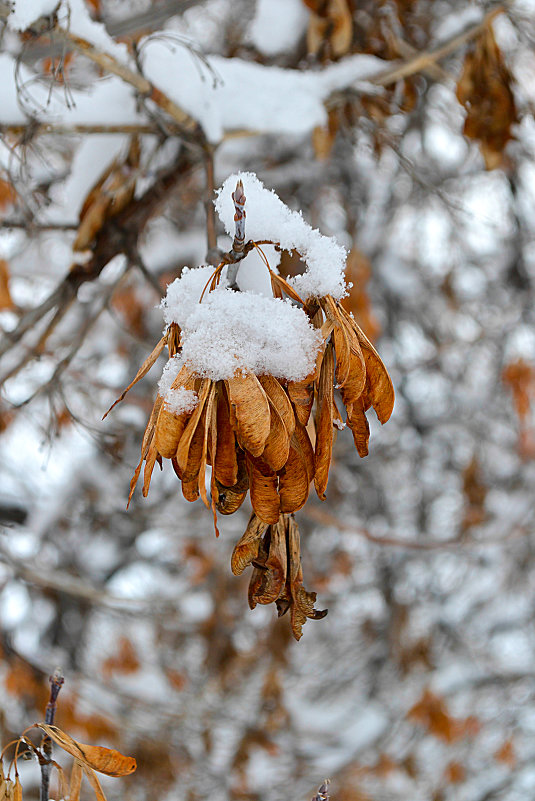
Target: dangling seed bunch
[249,386]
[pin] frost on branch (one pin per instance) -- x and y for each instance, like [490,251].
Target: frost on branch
[249,388]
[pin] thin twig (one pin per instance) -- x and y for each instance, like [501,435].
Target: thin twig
[321,516]
[29,226]
[58,581]
[56,683]
[79,129]
[139,82]
[112,239]
[424,61]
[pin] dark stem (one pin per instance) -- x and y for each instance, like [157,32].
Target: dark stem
[56,683]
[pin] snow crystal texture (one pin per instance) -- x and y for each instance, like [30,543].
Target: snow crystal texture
[231,331]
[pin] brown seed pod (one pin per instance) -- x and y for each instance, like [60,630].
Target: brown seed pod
[246,549]
[251,412]
[263,485]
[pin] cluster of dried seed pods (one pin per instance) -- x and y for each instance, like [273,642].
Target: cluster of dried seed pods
[258,434]
[275,554]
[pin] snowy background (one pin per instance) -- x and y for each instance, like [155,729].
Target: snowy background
[419,684]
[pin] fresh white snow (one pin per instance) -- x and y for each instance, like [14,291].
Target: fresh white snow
[231,331]
[278,25]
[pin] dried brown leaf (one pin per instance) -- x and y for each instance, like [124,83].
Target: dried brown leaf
[6,301]
[301,394]
[76,781]
[206,421]
[293,480]
[246,549]
[279,399]
[109,196]
[96,757]
[147,440]
[278,442]
[324,427]
[304,446]
[226,462]
[274,569]
[484,89]
[190,489]
[378,382]
[229,499]
[251,408]
[182,453]
[152,455]
[358,423]
[263,485]
[170,426]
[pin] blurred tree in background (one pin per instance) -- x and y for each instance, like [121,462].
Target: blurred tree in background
[405,130]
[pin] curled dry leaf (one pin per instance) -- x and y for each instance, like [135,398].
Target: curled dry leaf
[279,400]
[246,549]
[273,571]
[104,760]
[185,444]
[277,445]
[484,89]
[277,576]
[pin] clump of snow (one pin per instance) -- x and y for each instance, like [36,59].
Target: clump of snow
[176,400]
[222,94]
[251,330]
[278,25]
[73,15]
[24,13]
[79,22]
[185,293]
[181,400]
[231,331]
[170,372]
[228,94]
[269,218]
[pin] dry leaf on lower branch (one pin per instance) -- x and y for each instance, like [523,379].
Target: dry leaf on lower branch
[96,757]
